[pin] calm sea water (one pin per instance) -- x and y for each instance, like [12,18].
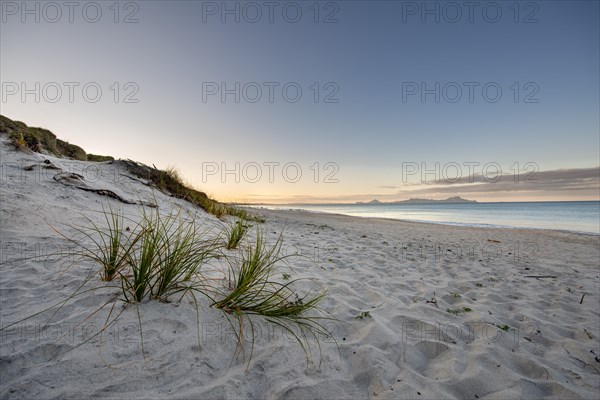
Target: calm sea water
[580,216]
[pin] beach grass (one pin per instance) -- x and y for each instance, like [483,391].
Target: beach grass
[169,181]
[42,140]
[254,292]
[235,232]
[154,256]
[160,255]
[182,253]
[109,246]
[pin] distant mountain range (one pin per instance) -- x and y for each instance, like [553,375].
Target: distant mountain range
[452,200]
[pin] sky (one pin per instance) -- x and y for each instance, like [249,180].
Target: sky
[330,101]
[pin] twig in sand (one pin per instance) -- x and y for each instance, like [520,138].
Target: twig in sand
[581,361]
[581,301]
[433,300]
[541,276]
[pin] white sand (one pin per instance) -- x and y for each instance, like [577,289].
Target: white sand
[409,348]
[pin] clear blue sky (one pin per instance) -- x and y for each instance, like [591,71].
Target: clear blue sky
[370,57]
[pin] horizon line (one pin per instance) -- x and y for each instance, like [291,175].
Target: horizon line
[403,201]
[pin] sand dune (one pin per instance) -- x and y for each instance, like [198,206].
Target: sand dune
[447,311]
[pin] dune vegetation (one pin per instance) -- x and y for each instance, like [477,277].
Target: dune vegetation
[169,181]
[164,256]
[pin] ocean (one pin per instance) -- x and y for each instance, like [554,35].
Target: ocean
[578,216]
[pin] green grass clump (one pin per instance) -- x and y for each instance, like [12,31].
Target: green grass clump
[18,140]
[235,232]
[168,255]
[36,139]
[144,261]
[39,140]
[66,149]
[170,181]
[157,257]
[22,139]
[504,327]
[253,292]
[363,315]
[243,214]
[7,125]
[111,247]
[182,251]
[458,310]
[97,158]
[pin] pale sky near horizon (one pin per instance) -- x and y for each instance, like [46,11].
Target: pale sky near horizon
[393,103]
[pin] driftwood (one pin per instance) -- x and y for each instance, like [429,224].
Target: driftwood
[110,193]
[77,181]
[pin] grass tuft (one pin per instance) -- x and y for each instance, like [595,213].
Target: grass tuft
[159,256]
[110,246]
[253,292]
[235,233]
[185,250]
[363,315]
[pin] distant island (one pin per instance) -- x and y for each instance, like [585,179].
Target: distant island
[452,200]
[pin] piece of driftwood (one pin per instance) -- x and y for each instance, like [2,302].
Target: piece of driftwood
[78,181]
[111,194]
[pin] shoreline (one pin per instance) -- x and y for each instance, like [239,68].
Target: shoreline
[444,223]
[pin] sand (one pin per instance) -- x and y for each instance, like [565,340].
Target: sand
[433,300]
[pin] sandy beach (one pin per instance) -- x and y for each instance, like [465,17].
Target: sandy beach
[300,200]
[423,311]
